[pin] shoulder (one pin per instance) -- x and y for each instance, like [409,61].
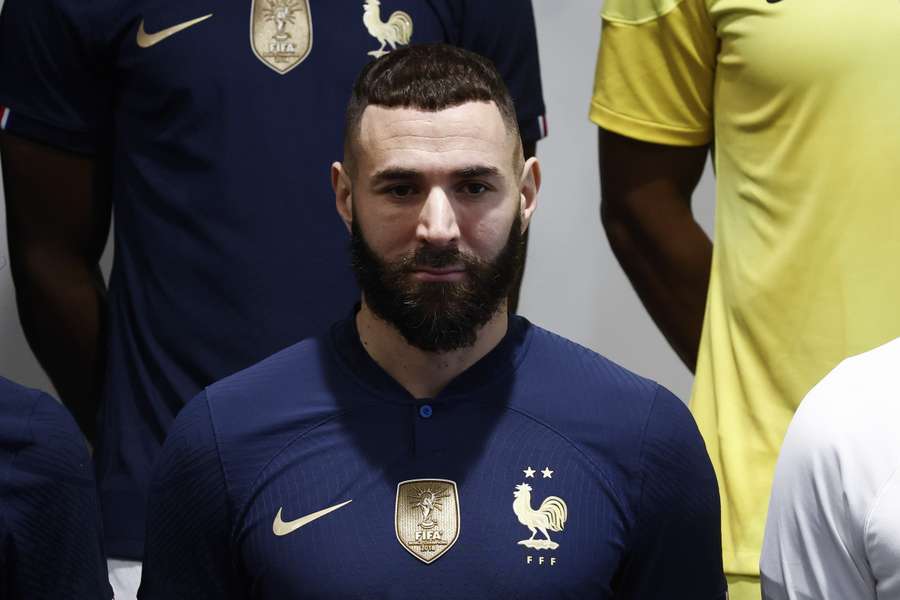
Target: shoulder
[297,362]
[17,404]
[17,398]
[586,378]
[604,408]
[50,517]
[841,448]
[297,377]
[249,417]
[41,433]
[837,461]
[849,412]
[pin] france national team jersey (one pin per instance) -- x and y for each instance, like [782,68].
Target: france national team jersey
[221,120]
[51,545]
[543,471]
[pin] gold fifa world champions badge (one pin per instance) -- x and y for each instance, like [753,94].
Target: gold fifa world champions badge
[426,517]
[281,33]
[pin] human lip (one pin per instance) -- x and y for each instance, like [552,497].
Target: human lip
[439,274]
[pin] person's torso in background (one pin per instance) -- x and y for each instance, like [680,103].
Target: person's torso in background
[227,242]
[807,135]
[799,102]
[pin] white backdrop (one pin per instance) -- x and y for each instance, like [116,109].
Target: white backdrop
[573,284]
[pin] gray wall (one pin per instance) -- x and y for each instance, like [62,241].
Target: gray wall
[573,284]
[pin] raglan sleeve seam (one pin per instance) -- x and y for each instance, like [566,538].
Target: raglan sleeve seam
[638,510]
[216,447]
[876,504]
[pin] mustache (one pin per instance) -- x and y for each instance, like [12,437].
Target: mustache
[437,257]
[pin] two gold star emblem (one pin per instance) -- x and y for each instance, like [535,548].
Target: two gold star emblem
[546,472]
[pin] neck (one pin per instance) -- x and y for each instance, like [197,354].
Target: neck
[424,374]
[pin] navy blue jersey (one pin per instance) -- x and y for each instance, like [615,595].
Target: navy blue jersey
[51,543]
[543,471]
[221,120]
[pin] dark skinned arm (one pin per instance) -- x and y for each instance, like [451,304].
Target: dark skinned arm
[529,149]
[58,216]
[646,211]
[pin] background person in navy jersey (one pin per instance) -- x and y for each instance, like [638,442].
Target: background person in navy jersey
[433,445]
[51,543]
[209,145]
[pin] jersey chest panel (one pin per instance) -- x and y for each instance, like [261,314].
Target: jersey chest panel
[512,509]
[206,107]
[220,62]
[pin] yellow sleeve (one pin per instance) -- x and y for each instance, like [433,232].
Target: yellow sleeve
[655,71]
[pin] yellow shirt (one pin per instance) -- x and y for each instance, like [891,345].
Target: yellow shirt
[802,101]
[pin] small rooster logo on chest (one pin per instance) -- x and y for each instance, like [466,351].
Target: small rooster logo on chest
[550,516]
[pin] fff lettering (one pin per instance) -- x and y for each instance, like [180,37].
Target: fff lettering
[541,560]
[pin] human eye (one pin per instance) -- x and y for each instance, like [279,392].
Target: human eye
[401,191]
[474,188]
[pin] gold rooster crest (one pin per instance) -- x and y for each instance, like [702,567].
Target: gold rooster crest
[397,30]
[281,33]
[550,516]
[426,517]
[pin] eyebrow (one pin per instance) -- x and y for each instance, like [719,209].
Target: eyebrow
[394,174]
[400,174]
[476,171]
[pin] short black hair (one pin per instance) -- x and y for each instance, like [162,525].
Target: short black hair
[428,77]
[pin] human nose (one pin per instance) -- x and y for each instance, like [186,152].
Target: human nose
[437,220]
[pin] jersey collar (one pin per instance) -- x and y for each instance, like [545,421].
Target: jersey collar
[494,367]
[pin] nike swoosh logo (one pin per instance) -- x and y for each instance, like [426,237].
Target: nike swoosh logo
[145,40]
[281,528]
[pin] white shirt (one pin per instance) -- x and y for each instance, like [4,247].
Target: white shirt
[833,529]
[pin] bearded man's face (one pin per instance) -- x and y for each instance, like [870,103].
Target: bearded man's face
[437,316]
[437,203]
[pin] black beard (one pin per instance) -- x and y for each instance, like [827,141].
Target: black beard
[437,316]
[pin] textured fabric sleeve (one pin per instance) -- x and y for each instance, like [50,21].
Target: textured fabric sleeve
[54,541]
[503,31]
[813,545]
[882,539]
[188,552]
[655,71]
[54,87]
[675,550]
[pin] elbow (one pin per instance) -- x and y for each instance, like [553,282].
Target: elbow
[616,223]
[23,266]
[35,268]
[27,264]
[609,216]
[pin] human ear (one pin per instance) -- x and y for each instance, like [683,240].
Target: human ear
[343,195]
[529,185]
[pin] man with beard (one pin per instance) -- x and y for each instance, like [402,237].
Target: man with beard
[432,444]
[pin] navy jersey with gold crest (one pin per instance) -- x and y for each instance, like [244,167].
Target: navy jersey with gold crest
[544,471]
[221,120]
[51,543]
